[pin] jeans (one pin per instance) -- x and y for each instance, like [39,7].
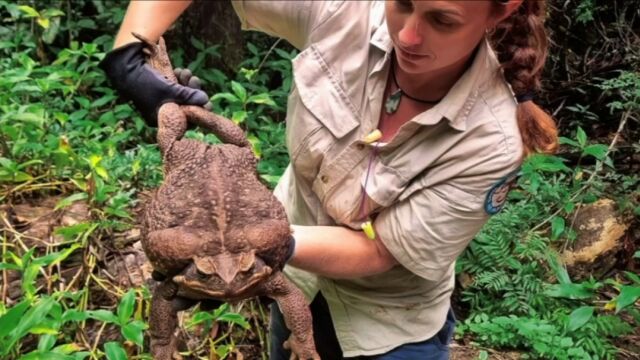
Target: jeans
[435,348]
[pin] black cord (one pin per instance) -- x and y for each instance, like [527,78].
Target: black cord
[402,92]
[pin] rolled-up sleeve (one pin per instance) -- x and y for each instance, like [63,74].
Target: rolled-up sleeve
[427,231]
[293,21]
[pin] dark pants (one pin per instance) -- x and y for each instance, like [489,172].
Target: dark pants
[435,348]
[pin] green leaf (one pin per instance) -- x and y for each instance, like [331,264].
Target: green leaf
[133,331]
[46,342]
[29,163]
[125,308]
[89,48]
[546,163]
[48,355]
[102,172]
[114,351]
[569,291]
[29,11]
[262,98]
[566,141]
[557,227]
[103,101]
[56,257]
[558,269]
[199,317]
[628,295]
[596,150]
[74,315]
[103,315]
[6,266]
[581,136]
[633,277]
[234,318]
[566,342]
[40,329]
[70,199]
[239,116]
[12,317]
[227,96]
[8,163]
[239,90]
[43,22]
[197,43]
[78,115]
[67,348]
[569,207]
[579,317]
[32,317]
[30,118]
[52,13]
[86,24]
[29,276]
[16,177]
[94,160]
[637,254]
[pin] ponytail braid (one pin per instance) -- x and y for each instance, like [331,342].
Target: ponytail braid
[520,42]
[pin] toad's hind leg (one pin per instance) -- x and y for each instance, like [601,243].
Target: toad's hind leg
[172,124]
[164,318]
[297,316]
[226,130]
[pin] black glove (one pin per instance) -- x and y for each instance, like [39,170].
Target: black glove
[135,80]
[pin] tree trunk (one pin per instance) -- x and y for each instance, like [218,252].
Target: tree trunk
[213,23]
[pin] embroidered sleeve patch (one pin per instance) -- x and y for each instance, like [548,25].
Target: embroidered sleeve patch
[497,195]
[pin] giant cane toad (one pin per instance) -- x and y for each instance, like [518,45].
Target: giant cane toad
[213,230]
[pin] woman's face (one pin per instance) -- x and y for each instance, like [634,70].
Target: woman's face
[432,35]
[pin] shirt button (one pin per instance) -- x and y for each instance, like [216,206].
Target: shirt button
[360,146]
[324,178]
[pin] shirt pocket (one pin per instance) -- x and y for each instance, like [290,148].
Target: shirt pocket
[360,196]
[319,112]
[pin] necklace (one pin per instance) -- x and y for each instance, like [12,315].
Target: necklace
[393,100]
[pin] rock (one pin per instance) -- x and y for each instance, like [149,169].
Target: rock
[600,234]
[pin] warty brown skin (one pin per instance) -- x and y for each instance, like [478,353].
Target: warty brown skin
[212,228]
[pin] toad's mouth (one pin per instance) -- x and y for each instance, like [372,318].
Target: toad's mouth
[223,275]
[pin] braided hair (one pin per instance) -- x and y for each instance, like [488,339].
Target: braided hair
[520,42]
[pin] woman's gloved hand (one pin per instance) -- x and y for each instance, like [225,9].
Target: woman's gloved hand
[135,80]
[186,78]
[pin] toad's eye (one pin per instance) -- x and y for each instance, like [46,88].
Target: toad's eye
[201,275]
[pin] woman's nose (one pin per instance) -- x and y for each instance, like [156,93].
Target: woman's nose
[409,35]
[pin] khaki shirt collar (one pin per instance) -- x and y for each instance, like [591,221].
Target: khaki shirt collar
[456,105]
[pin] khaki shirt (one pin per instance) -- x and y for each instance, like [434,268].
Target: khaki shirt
[426,188]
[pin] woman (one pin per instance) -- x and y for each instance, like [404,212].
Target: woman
[404,132]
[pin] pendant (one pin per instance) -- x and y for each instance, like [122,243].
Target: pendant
[393,101]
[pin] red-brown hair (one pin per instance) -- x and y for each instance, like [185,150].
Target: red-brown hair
[520,42]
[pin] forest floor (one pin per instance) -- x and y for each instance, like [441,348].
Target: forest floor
[121,264]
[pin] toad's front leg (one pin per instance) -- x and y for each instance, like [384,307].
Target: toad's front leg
[297,316]
[174,248]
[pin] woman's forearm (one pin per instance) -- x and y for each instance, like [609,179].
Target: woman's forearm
[338,252]
[149,18]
